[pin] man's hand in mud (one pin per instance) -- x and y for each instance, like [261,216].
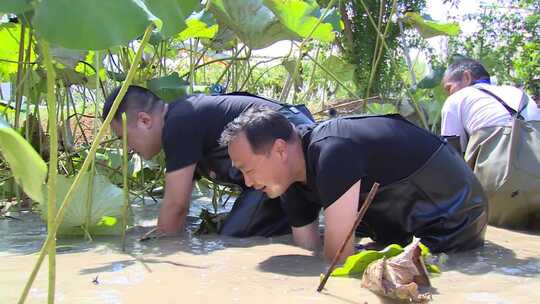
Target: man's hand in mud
[155,233]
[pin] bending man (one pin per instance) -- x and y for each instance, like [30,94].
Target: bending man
[188,131]
[426,189]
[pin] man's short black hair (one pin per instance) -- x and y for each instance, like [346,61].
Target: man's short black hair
[457,68]
[262,127]
[137,99]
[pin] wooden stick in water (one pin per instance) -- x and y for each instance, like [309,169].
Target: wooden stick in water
[359,217]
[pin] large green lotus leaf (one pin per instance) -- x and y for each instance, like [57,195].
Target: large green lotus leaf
[429,28]
[200,25]
[356,264]
[25,163]
[106,210]
[343,70]
[301,17]
[173,14]
[91,24]
[15,6]
[253,22]
[169,87]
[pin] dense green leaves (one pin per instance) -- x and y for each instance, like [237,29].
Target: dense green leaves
[343,70]
[173,14]
[432,79]
[26,165]
[105,211]
[429,28]
[91,25]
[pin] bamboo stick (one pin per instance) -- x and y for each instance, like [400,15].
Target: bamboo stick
[359,217]
[85,165]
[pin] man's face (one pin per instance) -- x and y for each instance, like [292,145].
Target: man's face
[453,85]
[267,172]
[141,136]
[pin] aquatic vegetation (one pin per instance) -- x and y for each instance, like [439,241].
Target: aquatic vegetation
[105,212]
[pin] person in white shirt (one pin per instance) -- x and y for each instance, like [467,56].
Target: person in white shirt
[498,130]
[469,108]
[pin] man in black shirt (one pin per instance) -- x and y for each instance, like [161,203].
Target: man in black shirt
[426,188]
[188,131]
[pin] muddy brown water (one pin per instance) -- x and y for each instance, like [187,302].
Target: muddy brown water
[212,269]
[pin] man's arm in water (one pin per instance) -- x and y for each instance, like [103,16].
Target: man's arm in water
[339,217]
[175,204]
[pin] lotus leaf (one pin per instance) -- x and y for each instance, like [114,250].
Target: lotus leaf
[91,25]
[429,28]
[15,6]
[26,165]
[169,87]
[173,14]
[200,25]
[106,206]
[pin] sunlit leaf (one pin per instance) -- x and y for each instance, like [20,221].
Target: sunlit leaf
[429,28]
[200,25]
[301,17]
[15,6]
[9,49]
[25,163]
[173,14]
[169,87]
[105,212]
[91,25]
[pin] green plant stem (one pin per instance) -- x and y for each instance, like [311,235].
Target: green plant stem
[53,163]
[125,175]
[283,96]
[379,49]
[20,71]
[392,60]
[95,144]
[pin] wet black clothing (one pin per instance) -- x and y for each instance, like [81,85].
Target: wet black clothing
[193,125]
[192,128]
[426,189]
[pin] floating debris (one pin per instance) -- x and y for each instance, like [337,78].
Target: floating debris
[399,277]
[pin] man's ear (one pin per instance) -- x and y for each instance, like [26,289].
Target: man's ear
[467,78]
[144,120]
[280,148]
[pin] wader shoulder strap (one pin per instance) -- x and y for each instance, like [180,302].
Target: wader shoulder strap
[512,112]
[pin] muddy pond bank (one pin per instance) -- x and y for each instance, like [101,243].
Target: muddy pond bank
[205,269]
